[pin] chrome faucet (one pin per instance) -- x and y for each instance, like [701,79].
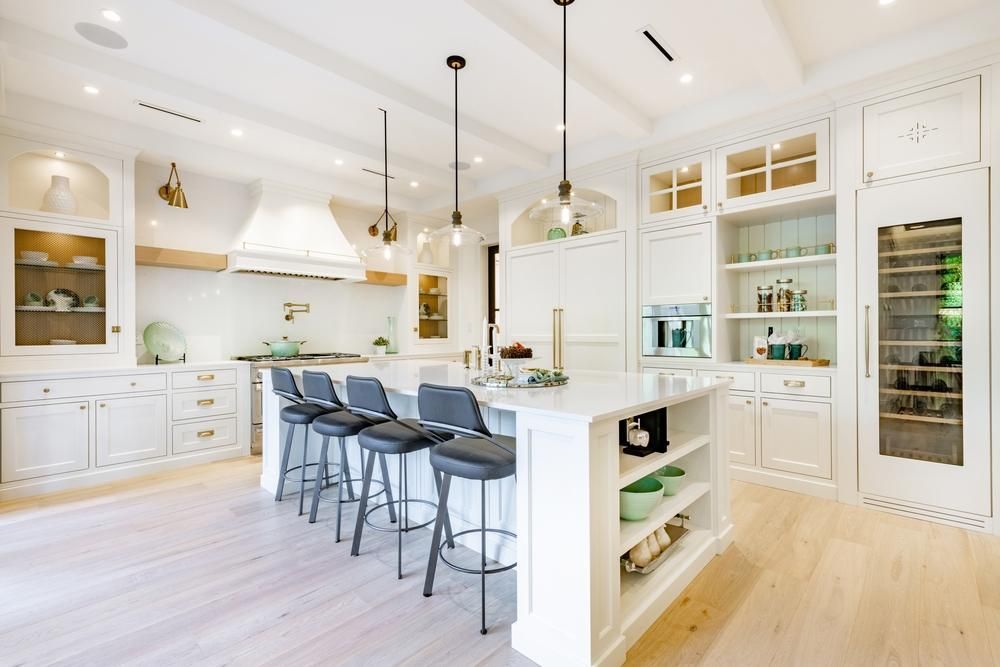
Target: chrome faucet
[493,354]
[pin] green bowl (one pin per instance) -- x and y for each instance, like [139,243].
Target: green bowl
[638,499]
[670,477]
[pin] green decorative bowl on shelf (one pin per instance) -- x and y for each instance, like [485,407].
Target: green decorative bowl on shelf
[639,498]
[165,341]
[556,233]
[670,477]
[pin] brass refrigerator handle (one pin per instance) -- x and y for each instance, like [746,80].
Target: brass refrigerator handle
[555,338]
[559,365]
[868,342]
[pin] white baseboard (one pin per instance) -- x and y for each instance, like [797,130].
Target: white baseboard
[821,488]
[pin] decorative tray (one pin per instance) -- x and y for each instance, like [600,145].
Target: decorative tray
[789,362]
[510,382]
[676,533]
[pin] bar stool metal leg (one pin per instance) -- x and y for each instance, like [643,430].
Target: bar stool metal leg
[347,464]
[363,502]
[439,522]
[482,555]
[284,462]
[340,484]
[447,519]
[302,472]
[323,456]
[403,512]
[388,486]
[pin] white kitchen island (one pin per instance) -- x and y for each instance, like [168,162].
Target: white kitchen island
[576,605]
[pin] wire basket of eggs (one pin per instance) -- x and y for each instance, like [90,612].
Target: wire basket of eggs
[653,551]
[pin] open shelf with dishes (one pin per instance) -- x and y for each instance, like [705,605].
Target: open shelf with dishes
[432,307]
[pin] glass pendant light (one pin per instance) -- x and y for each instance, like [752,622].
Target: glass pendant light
[388,247]
[458,234]
[565,209]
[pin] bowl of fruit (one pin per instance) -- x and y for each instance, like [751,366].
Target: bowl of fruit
[514,356]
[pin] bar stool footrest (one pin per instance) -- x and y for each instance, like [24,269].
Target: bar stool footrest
[405,529]
[357,492]
[329,479]
[466,570]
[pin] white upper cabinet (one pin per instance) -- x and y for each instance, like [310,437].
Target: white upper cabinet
[532,296]
[788,163]
[131,429]
[931,129]
[676,265]
[59,182]
[677,189]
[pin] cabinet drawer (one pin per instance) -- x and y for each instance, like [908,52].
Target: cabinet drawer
[209,403]
[206,378]
[742,380]
[206,434]
[34,390]
[671,372]
[801,385]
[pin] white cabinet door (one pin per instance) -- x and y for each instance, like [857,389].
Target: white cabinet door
[786,163]
[741,430]
[44,440]
[675,189]
[932,129]
[532,295]
[795,436]
[676,265]
[131,429]
[593,302]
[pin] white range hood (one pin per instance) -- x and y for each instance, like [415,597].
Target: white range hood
[292,232]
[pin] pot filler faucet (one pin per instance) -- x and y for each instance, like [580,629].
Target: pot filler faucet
[292,308]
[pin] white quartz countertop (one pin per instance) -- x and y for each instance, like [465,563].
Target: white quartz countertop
[589,396]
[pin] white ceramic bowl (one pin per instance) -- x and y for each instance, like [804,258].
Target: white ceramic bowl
[34,255]
[84,259]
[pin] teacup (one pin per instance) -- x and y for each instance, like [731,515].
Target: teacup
[764,255]
[746,257]
[32,299]
[825,249]
[796,252]
[796,350]
[91,302]
[777,350]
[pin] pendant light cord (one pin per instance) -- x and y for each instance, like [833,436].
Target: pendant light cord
[385,164]
[456,138]
[564,91]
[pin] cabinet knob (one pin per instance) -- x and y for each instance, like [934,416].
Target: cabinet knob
[763,402]
[116,329]
[83,407]
[719,206]
[704,207]
[749,402]
[46,390]
[103,405]
[704,298]
[869,174]
[131,384]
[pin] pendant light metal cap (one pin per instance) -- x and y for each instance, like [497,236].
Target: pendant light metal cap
[565,208]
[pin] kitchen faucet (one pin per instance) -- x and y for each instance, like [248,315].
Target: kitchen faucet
[493,354]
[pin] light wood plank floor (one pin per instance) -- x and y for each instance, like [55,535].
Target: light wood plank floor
[200,566]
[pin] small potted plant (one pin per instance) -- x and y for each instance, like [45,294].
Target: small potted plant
[380,344]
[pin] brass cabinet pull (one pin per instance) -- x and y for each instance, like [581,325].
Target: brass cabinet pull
[795,383]
[667,373]
[725,377]
[206,434]
[206,401]
[116,329]
[206,377]
[868,342]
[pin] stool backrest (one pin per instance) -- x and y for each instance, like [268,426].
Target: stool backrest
[317,387]
[283,384]
[366,397]
[445,406]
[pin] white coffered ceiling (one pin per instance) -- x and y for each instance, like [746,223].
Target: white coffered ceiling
[303,80]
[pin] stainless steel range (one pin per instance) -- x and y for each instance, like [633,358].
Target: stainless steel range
[263,361]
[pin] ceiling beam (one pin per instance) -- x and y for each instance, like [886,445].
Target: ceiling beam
[776,61]
[634,123]
[358,74]
[23,41]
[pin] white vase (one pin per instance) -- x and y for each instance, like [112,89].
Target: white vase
[426,255]
[59,198]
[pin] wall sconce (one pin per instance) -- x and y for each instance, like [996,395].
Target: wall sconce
[174,196]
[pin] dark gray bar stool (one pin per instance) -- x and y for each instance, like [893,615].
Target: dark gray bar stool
[475,454]
[340,424]
[300,412]
[393,436]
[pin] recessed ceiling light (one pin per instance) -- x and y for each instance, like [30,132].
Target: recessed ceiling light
[560,127]
[91,90]
[236,132]
[886,2]
[687,77]
[338,162]
[152,223]
[426,230]
[111,15]
[775,147]
[414,184]
[477,159]
[60,154]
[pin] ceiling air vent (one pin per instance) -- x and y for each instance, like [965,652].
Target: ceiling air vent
[665,50]
[171,112]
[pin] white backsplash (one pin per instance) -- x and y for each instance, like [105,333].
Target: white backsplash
[227,314]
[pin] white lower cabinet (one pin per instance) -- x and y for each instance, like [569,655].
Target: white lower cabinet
[41,440]
[741,429]
[131,429]
[796,436]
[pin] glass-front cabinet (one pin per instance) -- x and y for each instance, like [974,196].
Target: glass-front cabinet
[59,293]
[432,307]
[677,188]
[925,340]
[788,163]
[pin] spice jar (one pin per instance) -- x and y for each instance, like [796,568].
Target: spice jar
[783,300]
[765,299]
[799,300]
